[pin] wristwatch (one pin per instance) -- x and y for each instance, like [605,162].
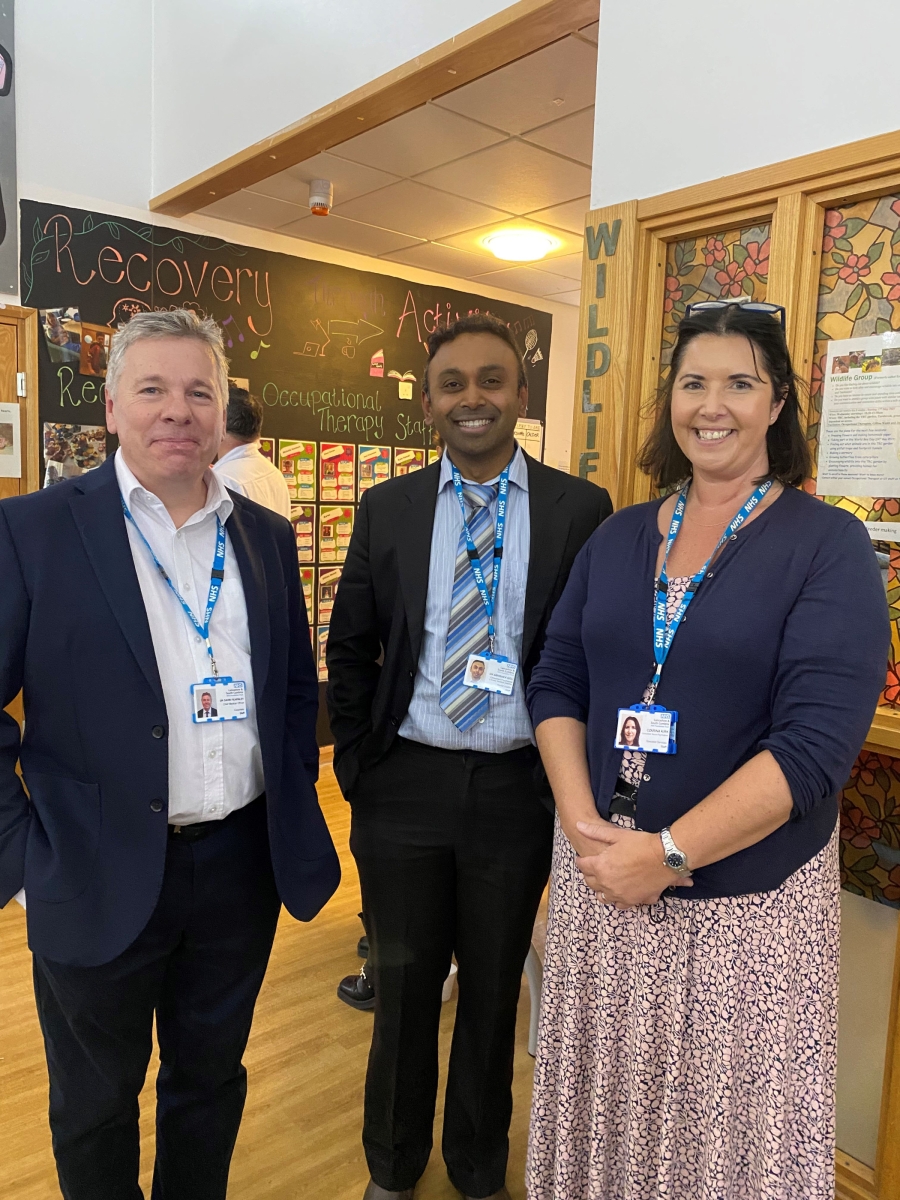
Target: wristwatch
[672,856]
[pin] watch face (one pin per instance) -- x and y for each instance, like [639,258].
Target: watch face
[676,860]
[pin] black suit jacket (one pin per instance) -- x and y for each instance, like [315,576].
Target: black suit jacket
[88,840]
[201,716]
[379,611]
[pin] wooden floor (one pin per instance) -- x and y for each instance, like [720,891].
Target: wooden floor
[306,1061]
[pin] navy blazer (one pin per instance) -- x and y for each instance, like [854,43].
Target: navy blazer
[784,648]
[88,841]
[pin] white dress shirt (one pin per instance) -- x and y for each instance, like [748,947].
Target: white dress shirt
[507,725]
[215,767]
[246,471]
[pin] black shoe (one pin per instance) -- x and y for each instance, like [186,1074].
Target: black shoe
[357,991]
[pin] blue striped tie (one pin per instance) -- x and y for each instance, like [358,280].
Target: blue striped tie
[468,630]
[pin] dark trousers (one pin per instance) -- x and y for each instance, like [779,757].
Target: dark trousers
[453,850]
[199,965]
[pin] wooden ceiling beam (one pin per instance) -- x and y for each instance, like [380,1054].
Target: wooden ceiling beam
[518,30]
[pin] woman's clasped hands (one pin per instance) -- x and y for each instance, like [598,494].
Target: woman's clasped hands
[626,868]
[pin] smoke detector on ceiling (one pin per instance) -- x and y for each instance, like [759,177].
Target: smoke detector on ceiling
[321,197]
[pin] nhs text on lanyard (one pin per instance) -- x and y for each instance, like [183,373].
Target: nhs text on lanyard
[492,672]
[217,697]
[654,732]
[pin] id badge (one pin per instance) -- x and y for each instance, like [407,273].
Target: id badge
[647,727]
[222,699]
[490,673]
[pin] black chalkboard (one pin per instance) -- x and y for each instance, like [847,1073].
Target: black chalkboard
[336,355]
[302,332]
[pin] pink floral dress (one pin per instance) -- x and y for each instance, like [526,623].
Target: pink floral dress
[687,1051]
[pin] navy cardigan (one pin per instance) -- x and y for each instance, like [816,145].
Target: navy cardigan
[784,648]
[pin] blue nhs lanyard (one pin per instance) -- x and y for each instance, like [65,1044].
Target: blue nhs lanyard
[215,582]
[488,599]
[664,630]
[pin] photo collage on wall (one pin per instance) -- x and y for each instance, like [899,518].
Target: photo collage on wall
[326,481]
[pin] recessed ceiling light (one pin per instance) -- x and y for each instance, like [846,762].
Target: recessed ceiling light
[558,101]
[520,245]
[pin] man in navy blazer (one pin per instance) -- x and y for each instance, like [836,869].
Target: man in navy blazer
[154,852]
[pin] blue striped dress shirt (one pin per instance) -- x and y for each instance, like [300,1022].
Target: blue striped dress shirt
[507,725]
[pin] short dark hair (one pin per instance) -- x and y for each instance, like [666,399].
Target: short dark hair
[789,459]
[245,414]
[474,323]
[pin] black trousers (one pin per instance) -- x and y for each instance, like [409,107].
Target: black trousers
[453,850]
[199,965]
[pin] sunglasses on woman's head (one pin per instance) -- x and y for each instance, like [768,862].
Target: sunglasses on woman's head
[760,306]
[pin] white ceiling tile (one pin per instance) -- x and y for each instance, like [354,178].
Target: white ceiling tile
[248,208]
[572,136]
[350,179]
[565,216]
[418,140]
[419,211]
[569,266]
[348,235]
[525,279]
[523,94]
[514,176]
[447,260]
[591,32]
[567,297]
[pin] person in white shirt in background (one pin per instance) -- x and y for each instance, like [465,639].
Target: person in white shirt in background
[240,465]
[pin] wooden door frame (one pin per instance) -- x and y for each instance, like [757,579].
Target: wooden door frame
[620,333]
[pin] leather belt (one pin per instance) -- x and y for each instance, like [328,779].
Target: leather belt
[624,801]
[201,829]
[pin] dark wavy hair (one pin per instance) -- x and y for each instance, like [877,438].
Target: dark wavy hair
[474,323]
[789,460]
[245,414]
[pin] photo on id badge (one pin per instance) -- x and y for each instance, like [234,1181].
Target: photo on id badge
[224,700]
[490,674]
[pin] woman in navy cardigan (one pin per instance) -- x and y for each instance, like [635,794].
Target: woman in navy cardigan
[689,1012]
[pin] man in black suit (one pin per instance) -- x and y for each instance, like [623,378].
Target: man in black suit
[452,817]
[154,852]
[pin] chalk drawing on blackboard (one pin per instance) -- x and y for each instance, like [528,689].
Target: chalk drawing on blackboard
[228,321]
[376,364]
[357,331]
[254,354]
[531,343]
[404,383]
[124,310]
[315,349]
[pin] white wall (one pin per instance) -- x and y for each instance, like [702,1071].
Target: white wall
[242,70]
[689,90]
[83,97]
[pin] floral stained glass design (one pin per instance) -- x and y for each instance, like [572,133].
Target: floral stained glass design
[870,829]
[859,295]
[721,266]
